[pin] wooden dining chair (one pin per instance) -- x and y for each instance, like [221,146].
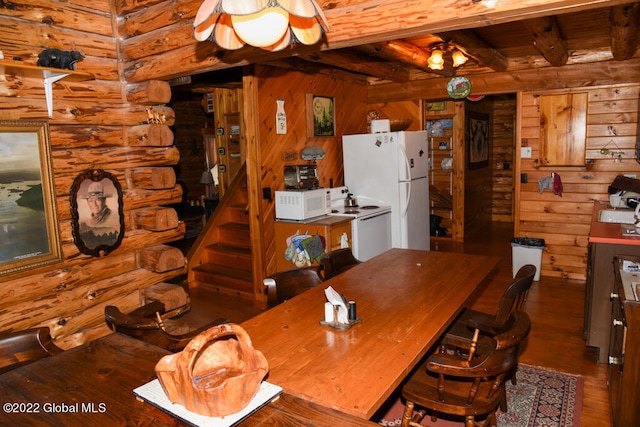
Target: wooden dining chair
[149,324]
[448,383]
[26,346]
[286,284]
[513,298]
[338,261]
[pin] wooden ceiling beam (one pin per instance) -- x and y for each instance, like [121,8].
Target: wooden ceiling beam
[625,25]
[406,53]
[548,39]
[477,48]
[357,63]
[493,83]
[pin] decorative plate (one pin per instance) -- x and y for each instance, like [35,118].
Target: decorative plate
[475,98]
[459,87]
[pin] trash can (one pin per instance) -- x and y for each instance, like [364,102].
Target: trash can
[526,250]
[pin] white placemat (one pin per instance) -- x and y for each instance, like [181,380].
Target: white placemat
[153,393]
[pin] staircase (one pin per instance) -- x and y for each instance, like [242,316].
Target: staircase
[220,259]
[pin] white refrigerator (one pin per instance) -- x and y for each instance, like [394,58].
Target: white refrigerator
[393,167]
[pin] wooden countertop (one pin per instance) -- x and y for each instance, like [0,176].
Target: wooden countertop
[605,232]
[321,221]
[406,299]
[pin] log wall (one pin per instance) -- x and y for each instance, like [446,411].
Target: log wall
[563,221]
[96,124]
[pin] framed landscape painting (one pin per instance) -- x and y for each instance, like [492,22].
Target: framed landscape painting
[29,234]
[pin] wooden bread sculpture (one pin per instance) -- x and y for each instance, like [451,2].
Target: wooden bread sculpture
[217,373]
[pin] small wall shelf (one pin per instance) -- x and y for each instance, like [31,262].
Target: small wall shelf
[48,75]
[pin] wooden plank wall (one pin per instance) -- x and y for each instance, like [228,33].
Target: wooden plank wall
[350,118]
[478,182]
[95,125]
[502,157]
[563,221]
[188,139]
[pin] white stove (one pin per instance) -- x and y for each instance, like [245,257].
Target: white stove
[371,225]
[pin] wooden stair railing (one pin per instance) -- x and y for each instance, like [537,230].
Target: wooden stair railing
[220,259]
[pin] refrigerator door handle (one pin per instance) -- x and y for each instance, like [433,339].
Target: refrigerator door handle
[406,205]
[407,166]
[407,180]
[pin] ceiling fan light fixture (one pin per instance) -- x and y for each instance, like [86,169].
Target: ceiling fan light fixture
[268,24]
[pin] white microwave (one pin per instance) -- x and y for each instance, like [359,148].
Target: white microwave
[301,205]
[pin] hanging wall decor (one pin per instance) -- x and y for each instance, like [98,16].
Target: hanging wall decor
[320,116]
[96,211]
[477,140]
[29,235]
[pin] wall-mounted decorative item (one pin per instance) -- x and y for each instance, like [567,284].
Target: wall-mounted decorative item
[281,117]
[96,211]
[29,235]
[435,106]
[320,116]
[477,140]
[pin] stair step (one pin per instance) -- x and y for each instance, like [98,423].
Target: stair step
[237,214]
[224,278]
[230,255]
[234,233]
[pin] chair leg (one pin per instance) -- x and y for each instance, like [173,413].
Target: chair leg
[491,421]
[470,421]
[408,412]
[503,401]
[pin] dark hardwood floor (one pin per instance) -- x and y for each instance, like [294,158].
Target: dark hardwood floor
[556,308]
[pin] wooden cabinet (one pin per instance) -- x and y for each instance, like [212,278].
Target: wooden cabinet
[600,280]
[297,243]
[563,129]
[624,351]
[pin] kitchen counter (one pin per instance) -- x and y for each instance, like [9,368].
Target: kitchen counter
[606,241]
[325,220]
[608,232]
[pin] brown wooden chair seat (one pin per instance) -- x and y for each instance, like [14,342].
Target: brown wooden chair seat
[467,386]
[289,283]
[23,347]
[149,323]
[338,261]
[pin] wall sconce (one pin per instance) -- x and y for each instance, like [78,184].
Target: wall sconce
[266,24]
[437,59]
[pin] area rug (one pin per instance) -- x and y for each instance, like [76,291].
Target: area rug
[541,397]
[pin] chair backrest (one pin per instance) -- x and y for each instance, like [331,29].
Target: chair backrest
[494,358]
[338,261]
[289,283]
[23,347]
[515,295]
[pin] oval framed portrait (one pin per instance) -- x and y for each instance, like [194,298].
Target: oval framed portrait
[96,211]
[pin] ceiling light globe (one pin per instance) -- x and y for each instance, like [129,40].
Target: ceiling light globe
[435,60]
[458,58]
[263,28]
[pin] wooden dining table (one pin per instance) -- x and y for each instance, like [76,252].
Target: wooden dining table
[329,377]
[405,298]
[92,385]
